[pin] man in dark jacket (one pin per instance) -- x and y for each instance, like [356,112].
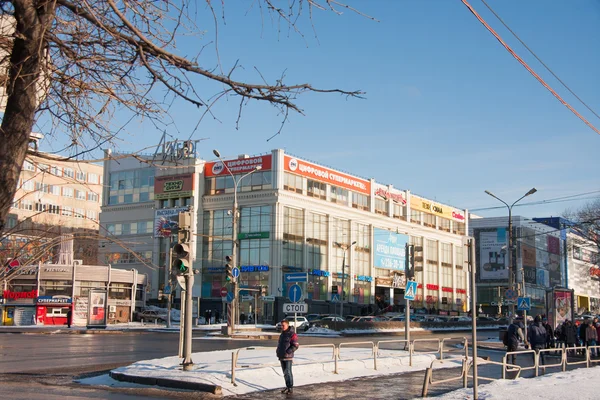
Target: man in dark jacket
[514,336]
[549,333]
[287,345]
[537,336]
[569,333]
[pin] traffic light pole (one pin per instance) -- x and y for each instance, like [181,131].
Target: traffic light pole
[407,302]
[234,253]
[187,342]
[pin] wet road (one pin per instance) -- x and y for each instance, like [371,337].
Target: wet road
[44,366]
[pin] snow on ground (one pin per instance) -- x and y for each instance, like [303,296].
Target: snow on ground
[581,383]
[258,368]
[319,331]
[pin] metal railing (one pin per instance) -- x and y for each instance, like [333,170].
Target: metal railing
[597,360]
[511,353]
[446,340]
[428,381]
[554,350]
[407,347]
[571,349]
[373,350]
[415,341]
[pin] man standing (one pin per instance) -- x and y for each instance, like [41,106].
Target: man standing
[69,317]
[287,345]
[537,336]
[514,335]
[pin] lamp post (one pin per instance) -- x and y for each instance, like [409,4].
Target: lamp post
[234,217]
[343,247]
[512,264]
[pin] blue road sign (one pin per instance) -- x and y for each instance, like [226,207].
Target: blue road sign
[524,303]
[235,272]
[410,291]
[335,298]
[296,277]
[229,297]
[167,290]
[295,293]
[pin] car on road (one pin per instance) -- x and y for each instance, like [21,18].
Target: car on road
[150,315]
[368,318]
[299,323]
[458,319]
[324,322]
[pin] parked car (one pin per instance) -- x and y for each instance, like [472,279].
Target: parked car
[324,322]
[459,319]
[150,315]
[312,317]
[298,323]
[368,318]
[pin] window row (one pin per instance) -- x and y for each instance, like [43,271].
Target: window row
[259,180]
[67,172]
[130,228]
[58,190]
[128,258]
[66,211]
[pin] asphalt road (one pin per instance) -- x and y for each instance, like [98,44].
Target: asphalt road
[44,366]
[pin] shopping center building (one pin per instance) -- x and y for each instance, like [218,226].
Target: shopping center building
[294,216]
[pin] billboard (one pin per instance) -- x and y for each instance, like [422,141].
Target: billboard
[389,249]
[166,221]
[173,186]
[493,254]
[237,166]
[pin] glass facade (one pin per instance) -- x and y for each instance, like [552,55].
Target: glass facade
[133,186]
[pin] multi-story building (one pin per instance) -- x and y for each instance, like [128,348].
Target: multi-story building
[54,198]
[294,216]
[583,263]
[539,256]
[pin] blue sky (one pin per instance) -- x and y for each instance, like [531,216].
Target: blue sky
[448,112]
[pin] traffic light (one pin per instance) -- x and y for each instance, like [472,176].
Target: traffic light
[182,260]
[229,268]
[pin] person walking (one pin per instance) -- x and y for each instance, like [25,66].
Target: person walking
[514,335]
[286,346]
[69,318]
[591,336]
[537,336]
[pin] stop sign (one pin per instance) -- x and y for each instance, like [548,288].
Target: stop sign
[223,291]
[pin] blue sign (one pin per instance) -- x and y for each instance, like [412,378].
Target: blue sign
[390,249]
[235,272]
[167,290]
[53,300]
[295,293]
[229,297]
[318,272]
[335,298]
[410,292]
[254,268]
[296,277]
[524,303]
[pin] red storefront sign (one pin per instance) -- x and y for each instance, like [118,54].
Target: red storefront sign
[447,289]
[595,272]
[237,166]
[431,286]
[326,175]
[9,295]
[386,194]
[461,291]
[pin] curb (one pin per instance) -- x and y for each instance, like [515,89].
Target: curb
[64,332]
[164,382]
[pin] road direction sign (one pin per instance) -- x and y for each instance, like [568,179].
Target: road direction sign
[295,308]
[229,297]
[224,291]
[247,297]
[410,292]
[295,293]
[296,277]
[268,299]
[235,272]
[524,303]
[167,290]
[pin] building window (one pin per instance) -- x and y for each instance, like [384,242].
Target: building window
[55,190]
[56,171]
[398,211]
[67,211]
[446,255]
[416,216]
[360,201]
[316,189]
[93,178]
[293,237]
[429,220]
[28,166]
[381,206]
[79,213]
[260,180]
[42,187]
[459,261]
[362,250]
[55,288]
[119,291]
[338,195]
[131,186]
[28,185]
[432,252]
[68,172]
[444,224]
[292,182]
[26,205]
[80,176]
[458,228]
[316,238]
[53,209]
[91,214]
[67,192]
[80,195]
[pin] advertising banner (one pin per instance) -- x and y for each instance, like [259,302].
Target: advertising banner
[97,308]
[528,255]
[493,260]
[542,277]
[396,195]
[237,166]
[166,221]
[173,186]
[554,270]
[389,249]
[326,175]
[429,207]
[530,275]
[560,304]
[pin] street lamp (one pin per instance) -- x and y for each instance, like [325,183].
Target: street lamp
[343,247]
[512,259]
[235,311]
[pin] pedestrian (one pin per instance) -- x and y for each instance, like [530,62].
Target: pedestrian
[569,333]
[537,336]
[209,317]
[242,318]
[286,346]
[69,318]
[206,318]
[549,333]
[514,335]
[217,320]
[592,338]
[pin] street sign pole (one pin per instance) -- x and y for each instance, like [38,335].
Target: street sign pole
[471,261]
[168,280]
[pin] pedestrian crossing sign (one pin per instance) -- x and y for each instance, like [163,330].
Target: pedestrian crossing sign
[524,303]
[335,298]
[410,292]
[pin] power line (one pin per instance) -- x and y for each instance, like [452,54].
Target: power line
[528,68]
[547,201]
[537,58]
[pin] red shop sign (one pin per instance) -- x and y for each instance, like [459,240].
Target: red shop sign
[595,272]
[461,291]
[447,289]
[431,286]
[9,295]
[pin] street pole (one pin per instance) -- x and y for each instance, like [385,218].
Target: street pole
[187,343]
[471,260]
[168,281]
[235,311]
[407,302]
[343,275]
[512,262]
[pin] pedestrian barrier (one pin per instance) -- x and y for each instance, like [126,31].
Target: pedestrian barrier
[414,345]
[406,344]
[545,365]
[510,353]
[571,349]
[428,381]
[446,340]
[373,351]
[513,367]
[597,359]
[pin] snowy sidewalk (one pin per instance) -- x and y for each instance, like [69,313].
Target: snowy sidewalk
[258,368]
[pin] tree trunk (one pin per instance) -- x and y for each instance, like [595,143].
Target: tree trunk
[33,18]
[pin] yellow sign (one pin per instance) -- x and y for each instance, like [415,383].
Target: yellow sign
[430,207]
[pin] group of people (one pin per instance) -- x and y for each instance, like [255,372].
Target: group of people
[541,335]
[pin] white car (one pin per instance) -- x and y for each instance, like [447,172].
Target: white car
[301,321]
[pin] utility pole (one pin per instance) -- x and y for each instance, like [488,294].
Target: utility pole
[472,269]
[408,265]
[344,247]
[168,280]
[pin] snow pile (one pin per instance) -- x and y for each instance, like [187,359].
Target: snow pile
[258,368]
[320,331]
[581,383]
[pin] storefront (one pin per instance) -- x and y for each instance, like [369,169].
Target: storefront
[19,307]
[52,310]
